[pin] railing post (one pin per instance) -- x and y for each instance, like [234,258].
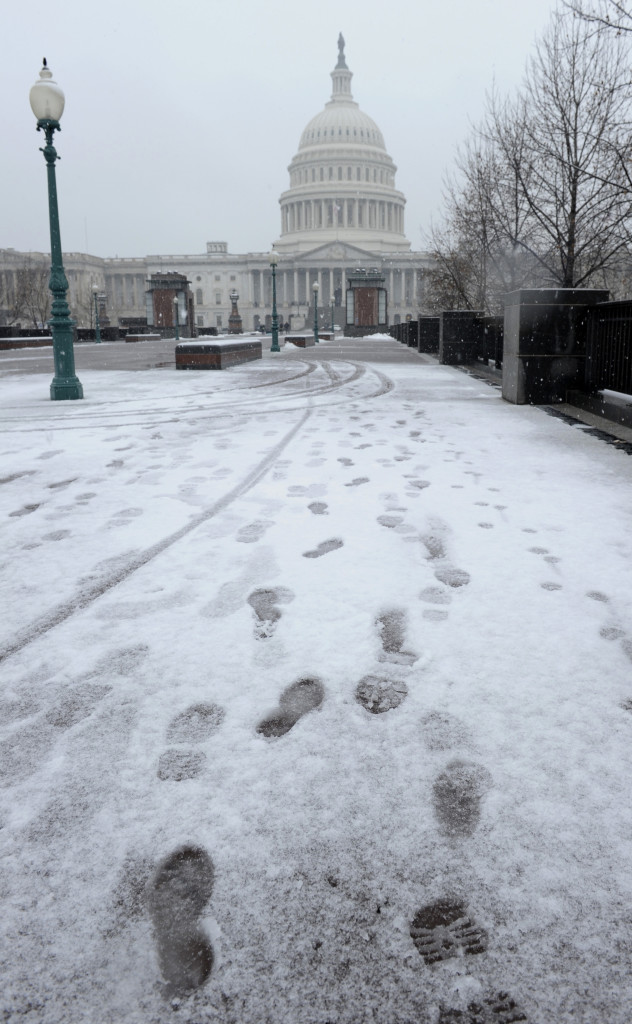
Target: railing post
[545,343]
[458,336]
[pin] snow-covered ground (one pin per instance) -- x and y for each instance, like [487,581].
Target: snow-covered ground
[316,700]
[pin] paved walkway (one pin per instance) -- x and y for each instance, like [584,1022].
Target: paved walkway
[316,699]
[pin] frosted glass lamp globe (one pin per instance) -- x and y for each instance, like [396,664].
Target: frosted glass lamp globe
[46,98]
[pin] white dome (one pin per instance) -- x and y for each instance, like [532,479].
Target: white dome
[342,180]
[342,124]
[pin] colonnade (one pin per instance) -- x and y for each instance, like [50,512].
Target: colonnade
[294,286]
[371,214]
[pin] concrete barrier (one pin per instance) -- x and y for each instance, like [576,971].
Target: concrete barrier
[215,355]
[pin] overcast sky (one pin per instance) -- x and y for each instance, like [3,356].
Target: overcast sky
[181,120]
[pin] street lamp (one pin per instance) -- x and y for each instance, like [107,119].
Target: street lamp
[275,320]
[176,317]
[332,315]
[97,332]
[315,290]
[47,103]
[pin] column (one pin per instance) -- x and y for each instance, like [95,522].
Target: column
[295,295]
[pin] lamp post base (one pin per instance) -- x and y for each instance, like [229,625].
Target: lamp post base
[65,389]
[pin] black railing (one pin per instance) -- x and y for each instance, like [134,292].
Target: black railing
[609,347]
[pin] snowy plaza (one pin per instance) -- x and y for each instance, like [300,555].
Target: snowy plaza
[316,697]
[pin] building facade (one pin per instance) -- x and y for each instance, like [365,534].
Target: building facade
[341,213]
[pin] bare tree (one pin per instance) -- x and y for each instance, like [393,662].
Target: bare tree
[544,191]
[480,252]
[33,292]
[577,110]
[11,299]
[611,14]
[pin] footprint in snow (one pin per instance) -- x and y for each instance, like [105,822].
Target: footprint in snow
[433,541]
[457,794]
[24,511]
[195,724]
[390,522]
[454,578]
[49,455]
[318,508]
[442,731]
[177,895]
[297,700]
[253,532]
[265,604]
[498,1008]
[391,627]
[445,929]
[324,548]
[62,484]
[379,694]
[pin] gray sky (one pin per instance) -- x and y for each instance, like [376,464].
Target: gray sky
[181,120]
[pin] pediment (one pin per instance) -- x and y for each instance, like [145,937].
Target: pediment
[333,251]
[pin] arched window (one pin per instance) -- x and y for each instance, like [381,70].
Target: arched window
[198,296]
[348,174]
[340,174]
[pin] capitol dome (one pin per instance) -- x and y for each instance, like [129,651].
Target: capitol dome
[342,180]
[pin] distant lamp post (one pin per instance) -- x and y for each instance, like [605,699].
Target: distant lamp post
[332,315]
[47,103]
[315,291]
[275,320]
[235,325]
[176,316]
[97,326]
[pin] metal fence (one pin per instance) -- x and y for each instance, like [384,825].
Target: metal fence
[468,337]
[609,347]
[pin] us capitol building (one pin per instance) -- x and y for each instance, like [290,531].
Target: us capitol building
[340,213]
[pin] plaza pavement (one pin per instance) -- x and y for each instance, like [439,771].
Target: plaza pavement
[316,699]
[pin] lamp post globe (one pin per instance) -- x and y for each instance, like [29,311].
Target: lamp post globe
[176,317]
[97,326]
[273,258]
[47,103]
[315,291]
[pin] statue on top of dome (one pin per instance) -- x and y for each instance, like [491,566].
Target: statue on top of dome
[341,52]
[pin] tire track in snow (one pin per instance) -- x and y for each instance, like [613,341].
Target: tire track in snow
[91,593]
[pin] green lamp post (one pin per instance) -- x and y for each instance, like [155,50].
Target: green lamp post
[97,326]
[332,315]
[275,320]
[47,103]
[176,317]
[315,291]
